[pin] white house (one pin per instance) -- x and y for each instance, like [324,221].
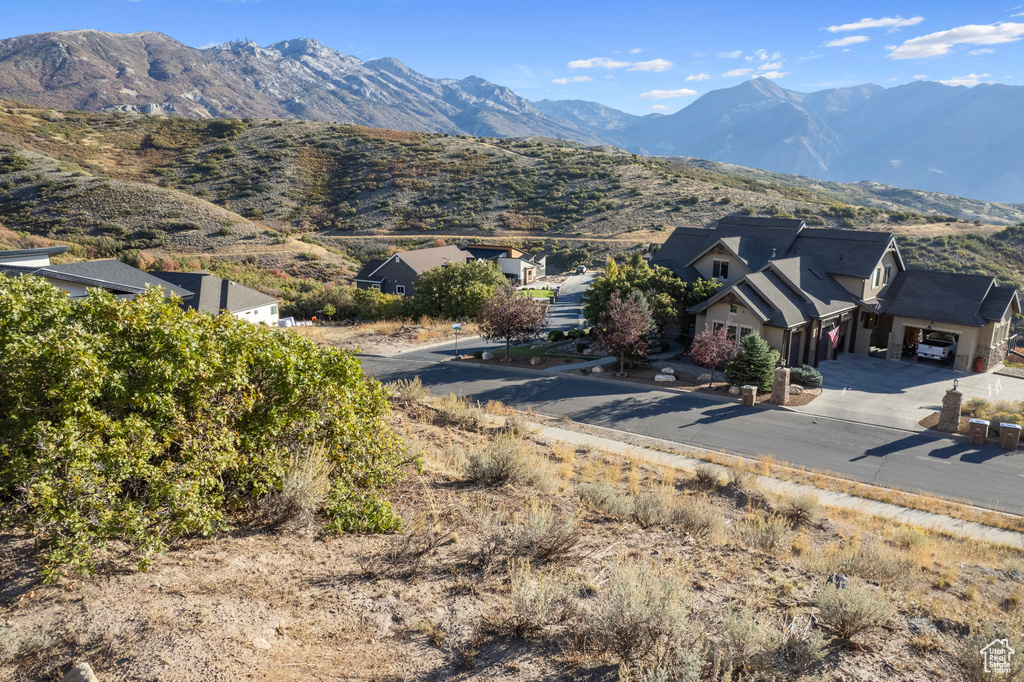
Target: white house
[211,294]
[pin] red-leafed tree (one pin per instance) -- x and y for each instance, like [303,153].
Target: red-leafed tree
[510,316]
[623,326]
[710,349]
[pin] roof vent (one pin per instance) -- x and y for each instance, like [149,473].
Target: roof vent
[773,252]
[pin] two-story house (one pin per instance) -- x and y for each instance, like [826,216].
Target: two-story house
[815,293]
[398,274]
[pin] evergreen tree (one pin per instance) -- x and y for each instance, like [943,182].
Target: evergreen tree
[753,365]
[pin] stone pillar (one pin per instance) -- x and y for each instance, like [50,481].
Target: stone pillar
[780,386]
[749,394]
[949,418]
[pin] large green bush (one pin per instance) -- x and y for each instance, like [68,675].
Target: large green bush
[753,365]
[139,422]
[806,375]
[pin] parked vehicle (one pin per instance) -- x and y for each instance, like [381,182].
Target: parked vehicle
[286,322]
[581,270]
[938,347]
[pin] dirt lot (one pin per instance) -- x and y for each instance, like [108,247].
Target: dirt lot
[461,594]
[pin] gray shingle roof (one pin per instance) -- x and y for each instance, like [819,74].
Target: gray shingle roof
[997,301]
[364,273]
[679,249]
[422,260]
[755,221]
[851,253]
[112,275]
[211,294]
[10,254]
[914,293]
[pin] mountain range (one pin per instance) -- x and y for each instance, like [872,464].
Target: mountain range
[925,135]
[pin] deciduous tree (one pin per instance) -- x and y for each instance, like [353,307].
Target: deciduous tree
[710,348]
[457,290]
[510,316]
[663,291]
[623,326]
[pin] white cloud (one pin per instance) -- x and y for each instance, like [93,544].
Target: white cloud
[920,77]
[668,94]
[636,50]
[605,63]
[772,65]
[763,56]
[983,50]
[734,54]
[940,43]
[574,79]
[597,62]
[772,74]
[848,40]
[659,107]
[737,72]
[970,80]
[884,22]
[653,65]
[698,77]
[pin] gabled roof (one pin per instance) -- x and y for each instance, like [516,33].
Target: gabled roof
[823,296]
[211,294]
[11,254]
[963,299]
[998,300]
[754,241]
[112,275]
[677,251]
[421,260]
[365,274]
[755,221]
[852,253]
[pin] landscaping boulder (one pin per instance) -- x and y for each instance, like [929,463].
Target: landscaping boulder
[734,390]
[536,360]
[588,351]
[667,370]
[664,377]
[487,356]
[795,390]
[703,377]
[596,370]
[920,626]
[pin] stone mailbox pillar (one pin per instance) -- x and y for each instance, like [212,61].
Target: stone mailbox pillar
[1009,436]
[749,394]
[780,386]
[949,418]
[979,431]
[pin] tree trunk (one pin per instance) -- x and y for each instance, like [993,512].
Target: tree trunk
[622,364]
[508,342]
[712,380]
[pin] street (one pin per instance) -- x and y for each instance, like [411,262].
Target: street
[911,461]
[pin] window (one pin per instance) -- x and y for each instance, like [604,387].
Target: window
[720,269]
[885,277]
[717,326]
[745,331]
[375,286]
[875,278]
[730,334]
[400,289]
[273,310]
[732,308]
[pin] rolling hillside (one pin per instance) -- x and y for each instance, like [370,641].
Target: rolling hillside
[312,197]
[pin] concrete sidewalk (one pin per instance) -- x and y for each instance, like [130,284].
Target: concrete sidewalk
[830,498]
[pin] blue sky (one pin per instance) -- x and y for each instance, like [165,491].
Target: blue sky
[638,57]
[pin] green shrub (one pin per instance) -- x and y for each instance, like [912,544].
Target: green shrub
[753,365]
[139,422]
[850,611]
[806,376]
[556,335]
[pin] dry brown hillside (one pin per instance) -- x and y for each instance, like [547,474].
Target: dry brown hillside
[525,558]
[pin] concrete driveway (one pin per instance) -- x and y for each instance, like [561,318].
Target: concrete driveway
[899,394]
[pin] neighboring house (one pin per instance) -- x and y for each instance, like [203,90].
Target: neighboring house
[211,294]
[541,260]
[76,279]
[815,293]
[515,264]
[398,274]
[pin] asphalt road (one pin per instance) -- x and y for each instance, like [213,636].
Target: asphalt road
[915,462]
[565,314]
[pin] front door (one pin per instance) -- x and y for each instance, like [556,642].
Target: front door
[794,349]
